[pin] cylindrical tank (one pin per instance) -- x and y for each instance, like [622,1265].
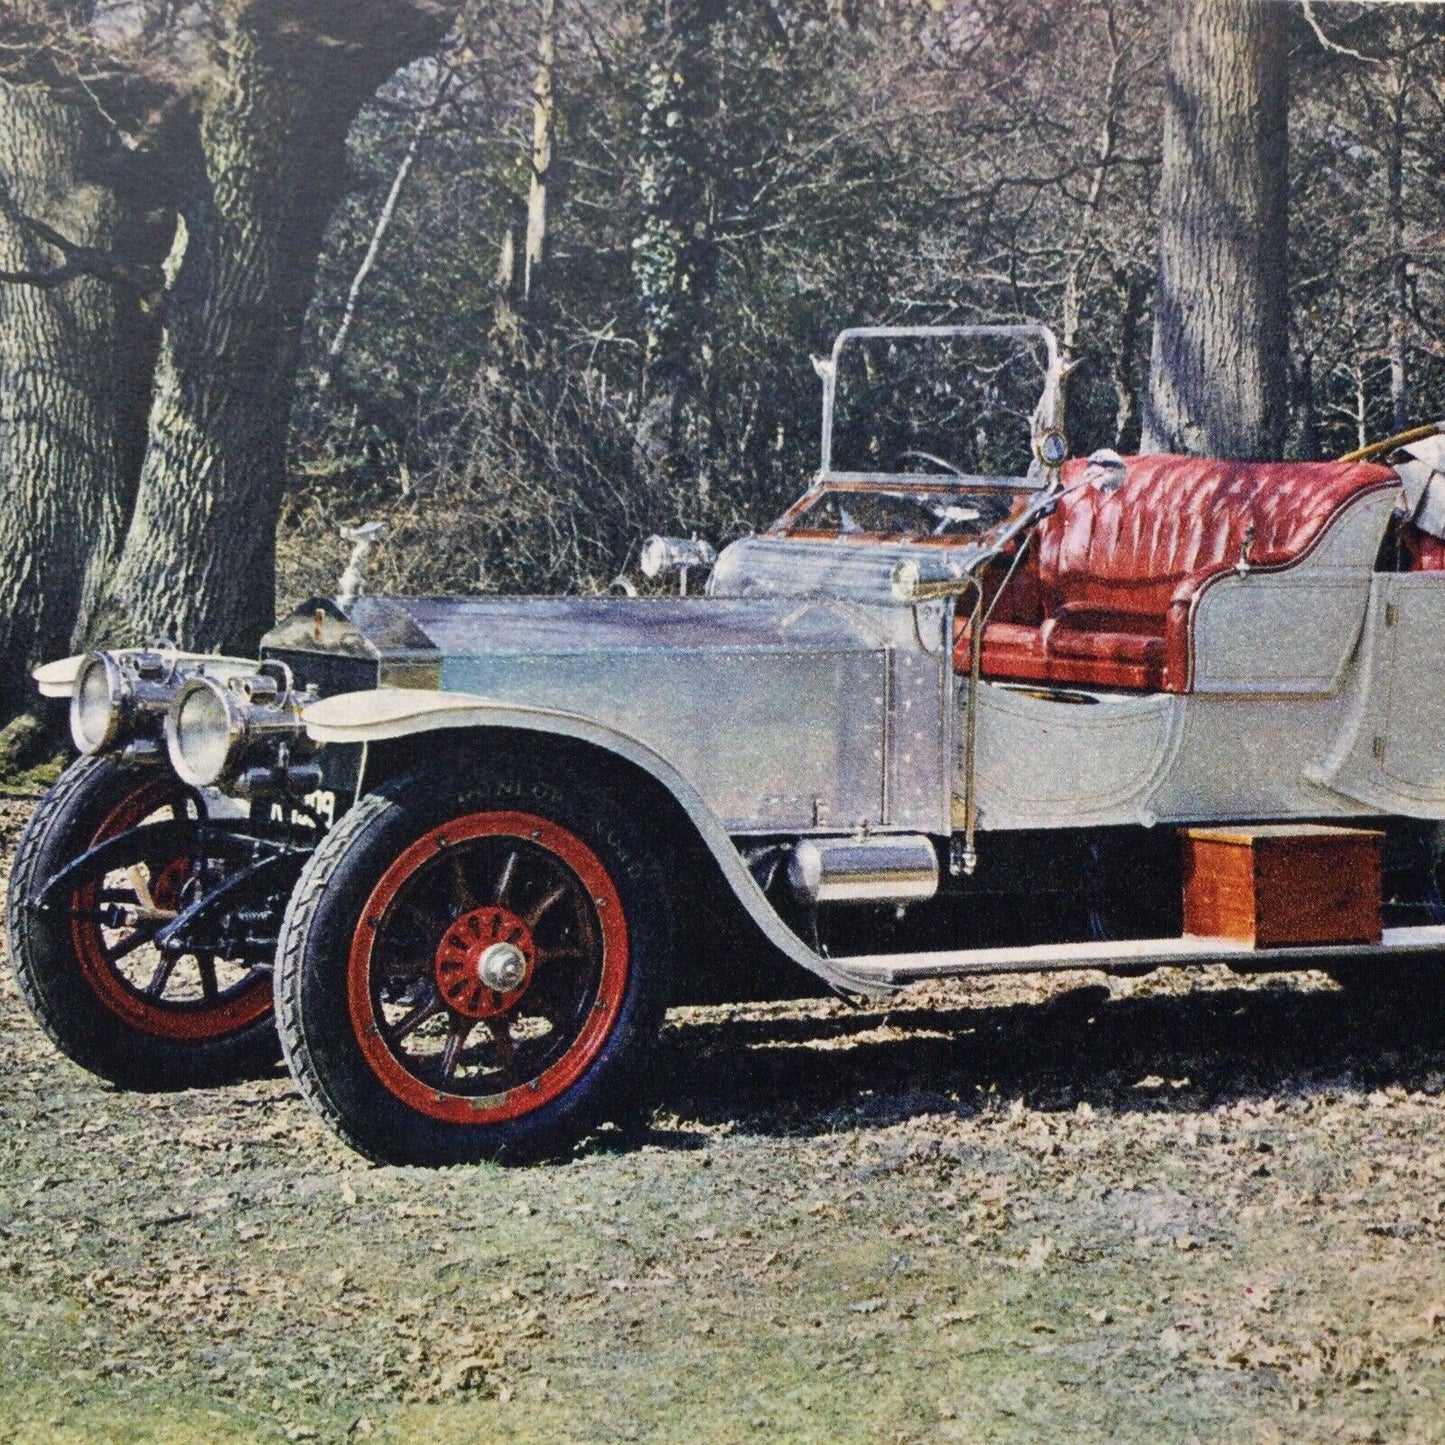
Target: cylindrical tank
[882,868]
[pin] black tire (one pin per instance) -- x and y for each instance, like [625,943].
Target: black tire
[152,1046]
[346,914]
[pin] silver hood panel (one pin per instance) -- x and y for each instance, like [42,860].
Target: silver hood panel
[787,715]
[461,627]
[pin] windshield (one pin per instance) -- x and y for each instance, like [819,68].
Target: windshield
[911,514]
[930,405]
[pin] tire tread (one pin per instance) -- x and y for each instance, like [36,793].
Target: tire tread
[17,916]
[295,930]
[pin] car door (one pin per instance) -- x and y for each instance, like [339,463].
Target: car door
[1391,750]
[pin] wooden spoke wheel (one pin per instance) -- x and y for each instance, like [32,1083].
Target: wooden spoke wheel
[462,977]
[114,922]
[489,967]
[89,964]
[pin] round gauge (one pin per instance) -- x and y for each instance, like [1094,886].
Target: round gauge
[1053,447]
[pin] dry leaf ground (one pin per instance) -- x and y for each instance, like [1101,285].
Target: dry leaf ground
[1179,1208]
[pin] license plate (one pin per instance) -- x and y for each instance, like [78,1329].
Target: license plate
[319,805]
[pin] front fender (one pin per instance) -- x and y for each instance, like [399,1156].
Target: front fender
[57,679]
[385,713]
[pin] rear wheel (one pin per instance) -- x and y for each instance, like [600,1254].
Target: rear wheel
[474,966]
[87,963]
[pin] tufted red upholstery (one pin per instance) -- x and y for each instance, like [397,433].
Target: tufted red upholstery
[1105,596]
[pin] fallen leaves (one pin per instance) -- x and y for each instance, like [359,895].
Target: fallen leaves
[977,1184]
[1038,1254]
[472,1372]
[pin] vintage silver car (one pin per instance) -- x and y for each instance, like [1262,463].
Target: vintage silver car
[943,718]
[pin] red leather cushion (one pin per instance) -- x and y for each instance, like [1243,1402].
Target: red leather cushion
[1014,662]
[1066,655]
[1090,604]
[1422,552]
[1004,639]
[1133,648]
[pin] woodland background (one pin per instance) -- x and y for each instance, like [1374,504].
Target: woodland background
[529,279]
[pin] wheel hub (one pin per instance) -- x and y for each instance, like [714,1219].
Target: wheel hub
[484,962]
[168,885]
[502,967]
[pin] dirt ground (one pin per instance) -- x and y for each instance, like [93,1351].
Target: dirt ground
[1169,1209]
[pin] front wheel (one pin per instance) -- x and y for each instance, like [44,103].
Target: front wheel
[88,960]
[474,965]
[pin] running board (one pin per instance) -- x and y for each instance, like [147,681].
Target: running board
[895,969]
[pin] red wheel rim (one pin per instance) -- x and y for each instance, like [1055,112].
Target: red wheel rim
[424,924]
[220,1010]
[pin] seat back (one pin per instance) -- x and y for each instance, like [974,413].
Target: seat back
[1117,558]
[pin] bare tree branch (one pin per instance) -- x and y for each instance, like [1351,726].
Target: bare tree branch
[378,234]
[146,280]
[1333,45]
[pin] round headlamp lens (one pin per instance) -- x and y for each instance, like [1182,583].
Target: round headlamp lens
[198,733]
[95,705]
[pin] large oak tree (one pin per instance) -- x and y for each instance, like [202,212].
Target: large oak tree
[72,340]
[238,145]
[59,460]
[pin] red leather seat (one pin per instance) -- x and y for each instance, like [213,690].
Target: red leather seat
[1105,595]
[1421,552]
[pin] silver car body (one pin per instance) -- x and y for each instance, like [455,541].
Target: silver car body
[800,697]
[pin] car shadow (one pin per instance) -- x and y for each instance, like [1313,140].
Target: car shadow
[1182,1050]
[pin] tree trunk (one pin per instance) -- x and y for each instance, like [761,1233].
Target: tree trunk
[62,455]
[1399,257]
[673,259]
[1217,383]
[384,218]
[506,330]
[1306,411]
[1134,292]
[268,167]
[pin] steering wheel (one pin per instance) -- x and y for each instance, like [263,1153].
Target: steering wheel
[942,462]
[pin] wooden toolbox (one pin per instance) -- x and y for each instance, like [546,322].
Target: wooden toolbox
[1274,885]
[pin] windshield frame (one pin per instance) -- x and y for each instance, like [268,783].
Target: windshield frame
[1047,416]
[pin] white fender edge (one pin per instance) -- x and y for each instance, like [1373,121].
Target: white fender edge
[57,679]
[385,713]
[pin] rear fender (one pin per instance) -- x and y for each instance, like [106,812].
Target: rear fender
[386,714]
